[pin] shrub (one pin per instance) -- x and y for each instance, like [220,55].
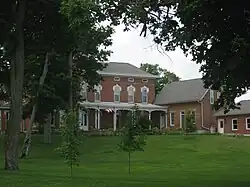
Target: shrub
[190,122]
[156,131]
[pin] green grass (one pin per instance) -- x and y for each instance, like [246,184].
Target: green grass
[172,161]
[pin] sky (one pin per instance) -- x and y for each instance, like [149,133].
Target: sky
[130,47]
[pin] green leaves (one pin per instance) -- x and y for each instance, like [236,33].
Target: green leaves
[69,148]
[189,121]
[166,76]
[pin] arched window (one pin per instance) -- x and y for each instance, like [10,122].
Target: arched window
[84,91]
[131,94]
[117,93]
[98,90]
[144,94]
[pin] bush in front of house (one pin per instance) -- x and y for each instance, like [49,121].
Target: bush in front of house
[189,124]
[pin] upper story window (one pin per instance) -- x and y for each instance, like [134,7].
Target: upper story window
[144,94]
[84,91]
[144,80]
[218,94]
[98,89]
[211,96]
[117,93]
[116,79]
[131,94]
[130,79]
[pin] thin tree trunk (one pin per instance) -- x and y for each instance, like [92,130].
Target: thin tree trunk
[70,63]
[16,89]
[129,162]
[27,139]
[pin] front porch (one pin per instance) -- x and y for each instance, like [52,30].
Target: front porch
[104,115]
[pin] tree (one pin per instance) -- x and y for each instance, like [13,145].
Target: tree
[48,28]
[12,23]
[69,147]
[189,122]
[133,138]
[79,61]
[215,33]
[166,76]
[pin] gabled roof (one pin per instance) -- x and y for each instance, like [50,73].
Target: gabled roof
[244,109]
[125,69]
[181,92]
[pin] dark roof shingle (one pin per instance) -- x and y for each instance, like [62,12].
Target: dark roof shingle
[244,109]
[125,69]
[181,92]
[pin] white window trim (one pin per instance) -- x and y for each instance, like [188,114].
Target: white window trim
[99,96]
[144,80]
[246,123]
[117,93]
[232,124]
[131,94]
[130,79]
[117,79]
[142,89]
[211,96]
[170,117]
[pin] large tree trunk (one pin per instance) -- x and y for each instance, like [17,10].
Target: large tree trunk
[16,89]
[27,139]
[70,63]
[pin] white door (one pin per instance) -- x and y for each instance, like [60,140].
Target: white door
[162,118]
[221,124]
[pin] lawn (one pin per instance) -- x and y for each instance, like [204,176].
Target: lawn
[172,161]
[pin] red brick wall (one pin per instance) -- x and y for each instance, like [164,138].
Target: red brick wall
[208,118]
[241,124]
[177,108]
[107,94]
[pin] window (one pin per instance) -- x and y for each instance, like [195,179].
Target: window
[172,119]
[248,123]
[182,119]
[234,124]
[144,95]
[144,80]
[131,91]
[116,79]
[98,93]
[97,96]
[117,93]
[211,97]
[131,79]
[84,91]
[218,95]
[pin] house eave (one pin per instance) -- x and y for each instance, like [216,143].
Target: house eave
[128,75]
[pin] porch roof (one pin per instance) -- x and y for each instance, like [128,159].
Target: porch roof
[122,106]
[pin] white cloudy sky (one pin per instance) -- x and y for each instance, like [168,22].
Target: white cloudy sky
[130,47]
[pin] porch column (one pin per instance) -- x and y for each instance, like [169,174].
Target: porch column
[166,119]
[98,119]
[87,119]
[114,119]
[149,117]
